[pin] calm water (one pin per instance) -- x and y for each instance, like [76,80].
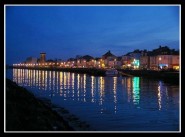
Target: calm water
[107,103]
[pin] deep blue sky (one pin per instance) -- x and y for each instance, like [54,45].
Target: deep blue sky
[66,31]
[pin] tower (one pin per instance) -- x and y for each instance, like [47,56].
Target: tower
[42,57]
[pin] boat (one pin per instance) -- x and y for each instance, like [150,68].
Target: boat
[111,72]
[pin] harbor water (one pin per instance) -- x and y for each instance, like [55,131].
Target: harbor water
[107,103]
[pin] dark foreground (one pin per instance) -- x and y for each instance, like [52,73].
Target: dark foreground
[24,112]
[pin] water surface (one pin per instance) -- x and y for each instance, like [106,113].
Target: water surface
[107,103]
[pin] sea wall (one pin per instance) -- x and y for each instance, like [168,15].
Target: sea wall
[26,112]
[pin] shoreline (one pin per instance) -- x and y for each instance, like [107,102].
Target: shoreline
[26,112]
[89,71]
[172,77]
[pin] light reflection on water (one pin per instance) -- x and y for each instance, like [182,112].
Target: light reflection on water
[136,89]
[116,103]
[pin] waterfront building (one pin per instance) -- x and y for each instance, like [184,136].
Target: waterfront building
[135,59]
[160,62]
[71,63]
[79,65]
[111,63]
[108,60]
[144,62]
[31,60]
[91,63]
[132,60]
[42,57]
[153,63]
[126,62]
[118,62]
[164,61]
[85,61]
[175,62]
[168,62]
[97,62]
[163,58]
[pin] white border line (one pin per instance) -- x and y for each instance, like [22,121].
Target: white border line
[97,5]
[180,68]
[4,68]
[91,131]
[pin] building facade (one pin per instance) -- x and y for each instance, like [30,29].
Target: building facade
[42,57]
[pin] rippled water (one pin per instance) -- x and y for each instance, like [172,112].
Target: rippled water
[107,103]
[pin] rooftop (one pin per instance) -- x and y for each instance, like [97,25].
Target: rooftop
[108,54]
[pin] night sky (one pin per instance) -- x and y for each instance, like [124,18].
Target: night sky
[66,31]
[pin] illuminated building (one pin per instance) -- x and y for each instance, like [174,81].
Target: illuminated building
[42,57]
[144,62]
[175,62]
[109,60]
[136,64]
[168,61]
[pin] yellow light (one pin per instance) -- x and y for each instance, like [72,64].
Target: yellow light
[159,58]
[176,67]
